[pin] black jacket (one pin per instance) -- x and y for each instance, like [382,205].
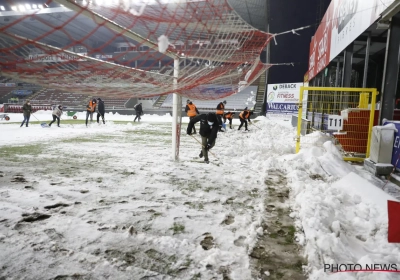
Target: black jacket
[205,129]
[100,107]
[27,109]
[138,108]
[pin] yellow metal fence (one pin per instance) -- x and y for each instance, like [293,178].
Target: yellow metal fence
[345,115]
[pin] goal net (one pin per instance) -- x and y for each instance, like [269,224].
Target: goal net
[127,48]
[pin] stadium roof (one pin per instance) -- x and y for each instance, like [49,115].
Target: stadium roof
[254,12]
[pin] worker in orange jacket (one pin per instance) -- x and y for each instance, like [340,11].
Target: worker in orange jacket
[220,111]
[90,109]
[244,116]
[191,112]
[229,116]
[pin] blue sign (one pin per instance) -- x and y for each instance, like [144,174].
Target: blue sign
[22,92]
[282,108]
[213,90]
[396,144]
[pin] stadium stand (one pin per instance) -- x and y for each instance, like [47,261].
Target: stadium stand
[5,91]
[147,103]
[10,108]
[236,102]
[54,96]
[4,79]
[114,103]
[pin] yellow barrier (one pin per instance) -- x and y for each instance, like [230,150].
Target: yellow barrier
[345,115]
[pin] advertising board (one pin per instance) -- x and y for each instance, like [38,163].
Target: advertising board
[342,23]
[283,98]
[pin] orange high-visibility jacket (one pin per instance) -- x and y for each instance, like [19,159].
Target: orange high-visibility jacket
[228,115]
[91,107]
[244,114]
[220,109]
[192,110]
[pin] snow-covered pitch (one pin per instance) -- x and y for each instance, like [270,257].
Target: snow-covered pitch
[108,202]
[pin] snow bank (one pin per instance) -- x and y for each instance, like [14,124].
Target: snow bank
[343,216]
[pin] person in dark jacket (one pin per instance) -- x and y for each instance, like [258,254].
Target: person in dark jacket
[90,109]
[57,112]
[229,116]
[139,111]
[27,109]
[209,127]
[191,111]
[244,116]
[100,110]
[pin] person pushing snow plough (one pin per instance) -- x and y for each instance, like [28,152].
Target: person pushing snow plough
[210,124]
[27,109]
[57,112]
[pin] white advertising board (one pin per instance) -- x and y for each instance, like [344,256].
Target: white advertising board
[283,98]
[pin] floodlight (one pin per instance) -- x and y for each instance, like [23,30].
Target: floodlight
[2,8]
[14,8]
[27,6]
[34,6]
[21,8]
[40,6]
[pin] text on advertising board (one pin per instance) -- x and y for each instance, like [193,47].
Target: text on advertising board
[287,86]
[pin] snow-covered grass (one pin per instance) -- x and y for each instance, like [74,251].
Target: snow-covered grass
[108,202]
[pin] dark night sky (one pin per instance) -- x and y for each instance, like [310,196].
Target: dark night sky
[286,15]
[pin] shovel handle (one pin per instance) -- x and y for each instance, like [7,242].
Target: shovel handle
[203,146]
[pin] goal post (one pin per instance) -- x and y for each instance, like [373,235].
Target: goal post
[344,115]
[176,115]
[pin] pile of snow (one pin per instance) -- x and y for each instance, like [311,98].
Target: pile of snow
[343,216]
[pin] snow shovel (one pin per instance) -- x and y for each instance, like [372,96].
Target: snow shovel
[255,125]
[202,145]
[42,124]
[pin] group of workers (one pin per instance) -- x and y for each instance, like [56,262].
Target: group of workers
[93,106]
[244,116]
[211,124]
